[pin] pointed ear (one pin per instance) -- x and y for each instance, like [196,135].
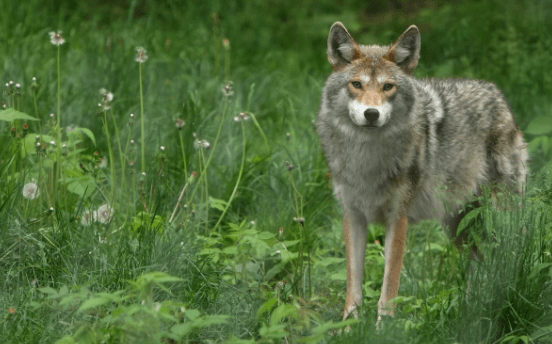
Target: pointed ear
[342,49]
[405,52]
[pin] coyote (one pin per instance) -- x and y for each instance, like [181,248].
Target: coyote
[402,149]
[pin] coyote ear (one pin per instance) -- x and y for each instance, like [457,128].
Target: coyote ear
[342,49]
[405,52]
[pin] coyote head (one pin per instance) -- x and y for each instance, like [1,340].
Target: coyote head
[374,74]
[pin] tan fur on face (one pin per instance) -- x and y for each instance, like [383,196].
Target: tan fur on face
[372,93]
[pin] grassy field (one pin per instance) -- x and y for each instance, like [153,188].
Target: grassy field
[161,180]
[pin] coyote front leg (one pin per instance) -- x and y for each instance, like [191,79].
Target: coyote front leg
[354,229]
[395,244]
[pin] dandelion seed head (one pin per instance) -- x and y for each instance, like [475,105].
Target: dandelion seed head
[227,89]
[180,123]
[131,142]
[31,191]
[131,115]
[104,214]
[34,79]
[51,115]
[143,174]
[242,117]
[87,218]
[141,55]
[162,148]
[103,162]
[300,220]
[55,38]
[226,43]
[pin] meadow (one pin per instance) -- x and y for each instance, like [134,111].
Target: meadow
[161,180]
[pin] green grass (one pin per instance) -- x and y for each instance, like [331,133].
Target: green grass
[65,277]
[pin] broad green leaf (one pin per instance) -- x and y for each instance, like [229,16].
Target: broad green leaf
[11,115]
[182,329]
[273,271]
[231,250]
[266,307]
[266,235]
[540,125]
[83,186]
[537,269]
[88,133]
[234,340]
[192,314]
[210,320]
[471,215]
[48,290]
[217,203]
[434,247]
[320,331]
[326,261]
[209,251]
[282,311]
[93,303]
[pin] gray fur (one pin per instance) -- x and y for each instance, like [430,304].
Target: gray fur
[441,143]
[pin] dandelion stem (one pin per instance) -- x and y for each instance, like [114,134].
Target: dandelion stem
[121,156]
[212,149]
[178,202]
[142,121]
[59,98]
[237,182]
[36,112]
[261,131]
[58,130]
[183,152]
[111,159]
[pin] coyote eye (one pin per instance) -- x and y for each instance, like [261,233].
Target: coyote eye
[388,87]
[356,84]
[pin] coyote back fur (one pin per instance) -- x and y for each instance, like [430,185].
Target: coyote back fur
[402,149]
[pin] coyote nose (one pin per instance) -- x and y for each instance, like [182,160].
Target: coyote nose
[371,115]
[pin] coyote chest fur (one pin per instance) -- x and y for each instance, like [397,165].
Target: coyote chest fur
[401,149]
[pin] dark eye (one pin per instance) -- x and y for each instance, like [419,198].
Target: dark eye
[356,84]
[388,87]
